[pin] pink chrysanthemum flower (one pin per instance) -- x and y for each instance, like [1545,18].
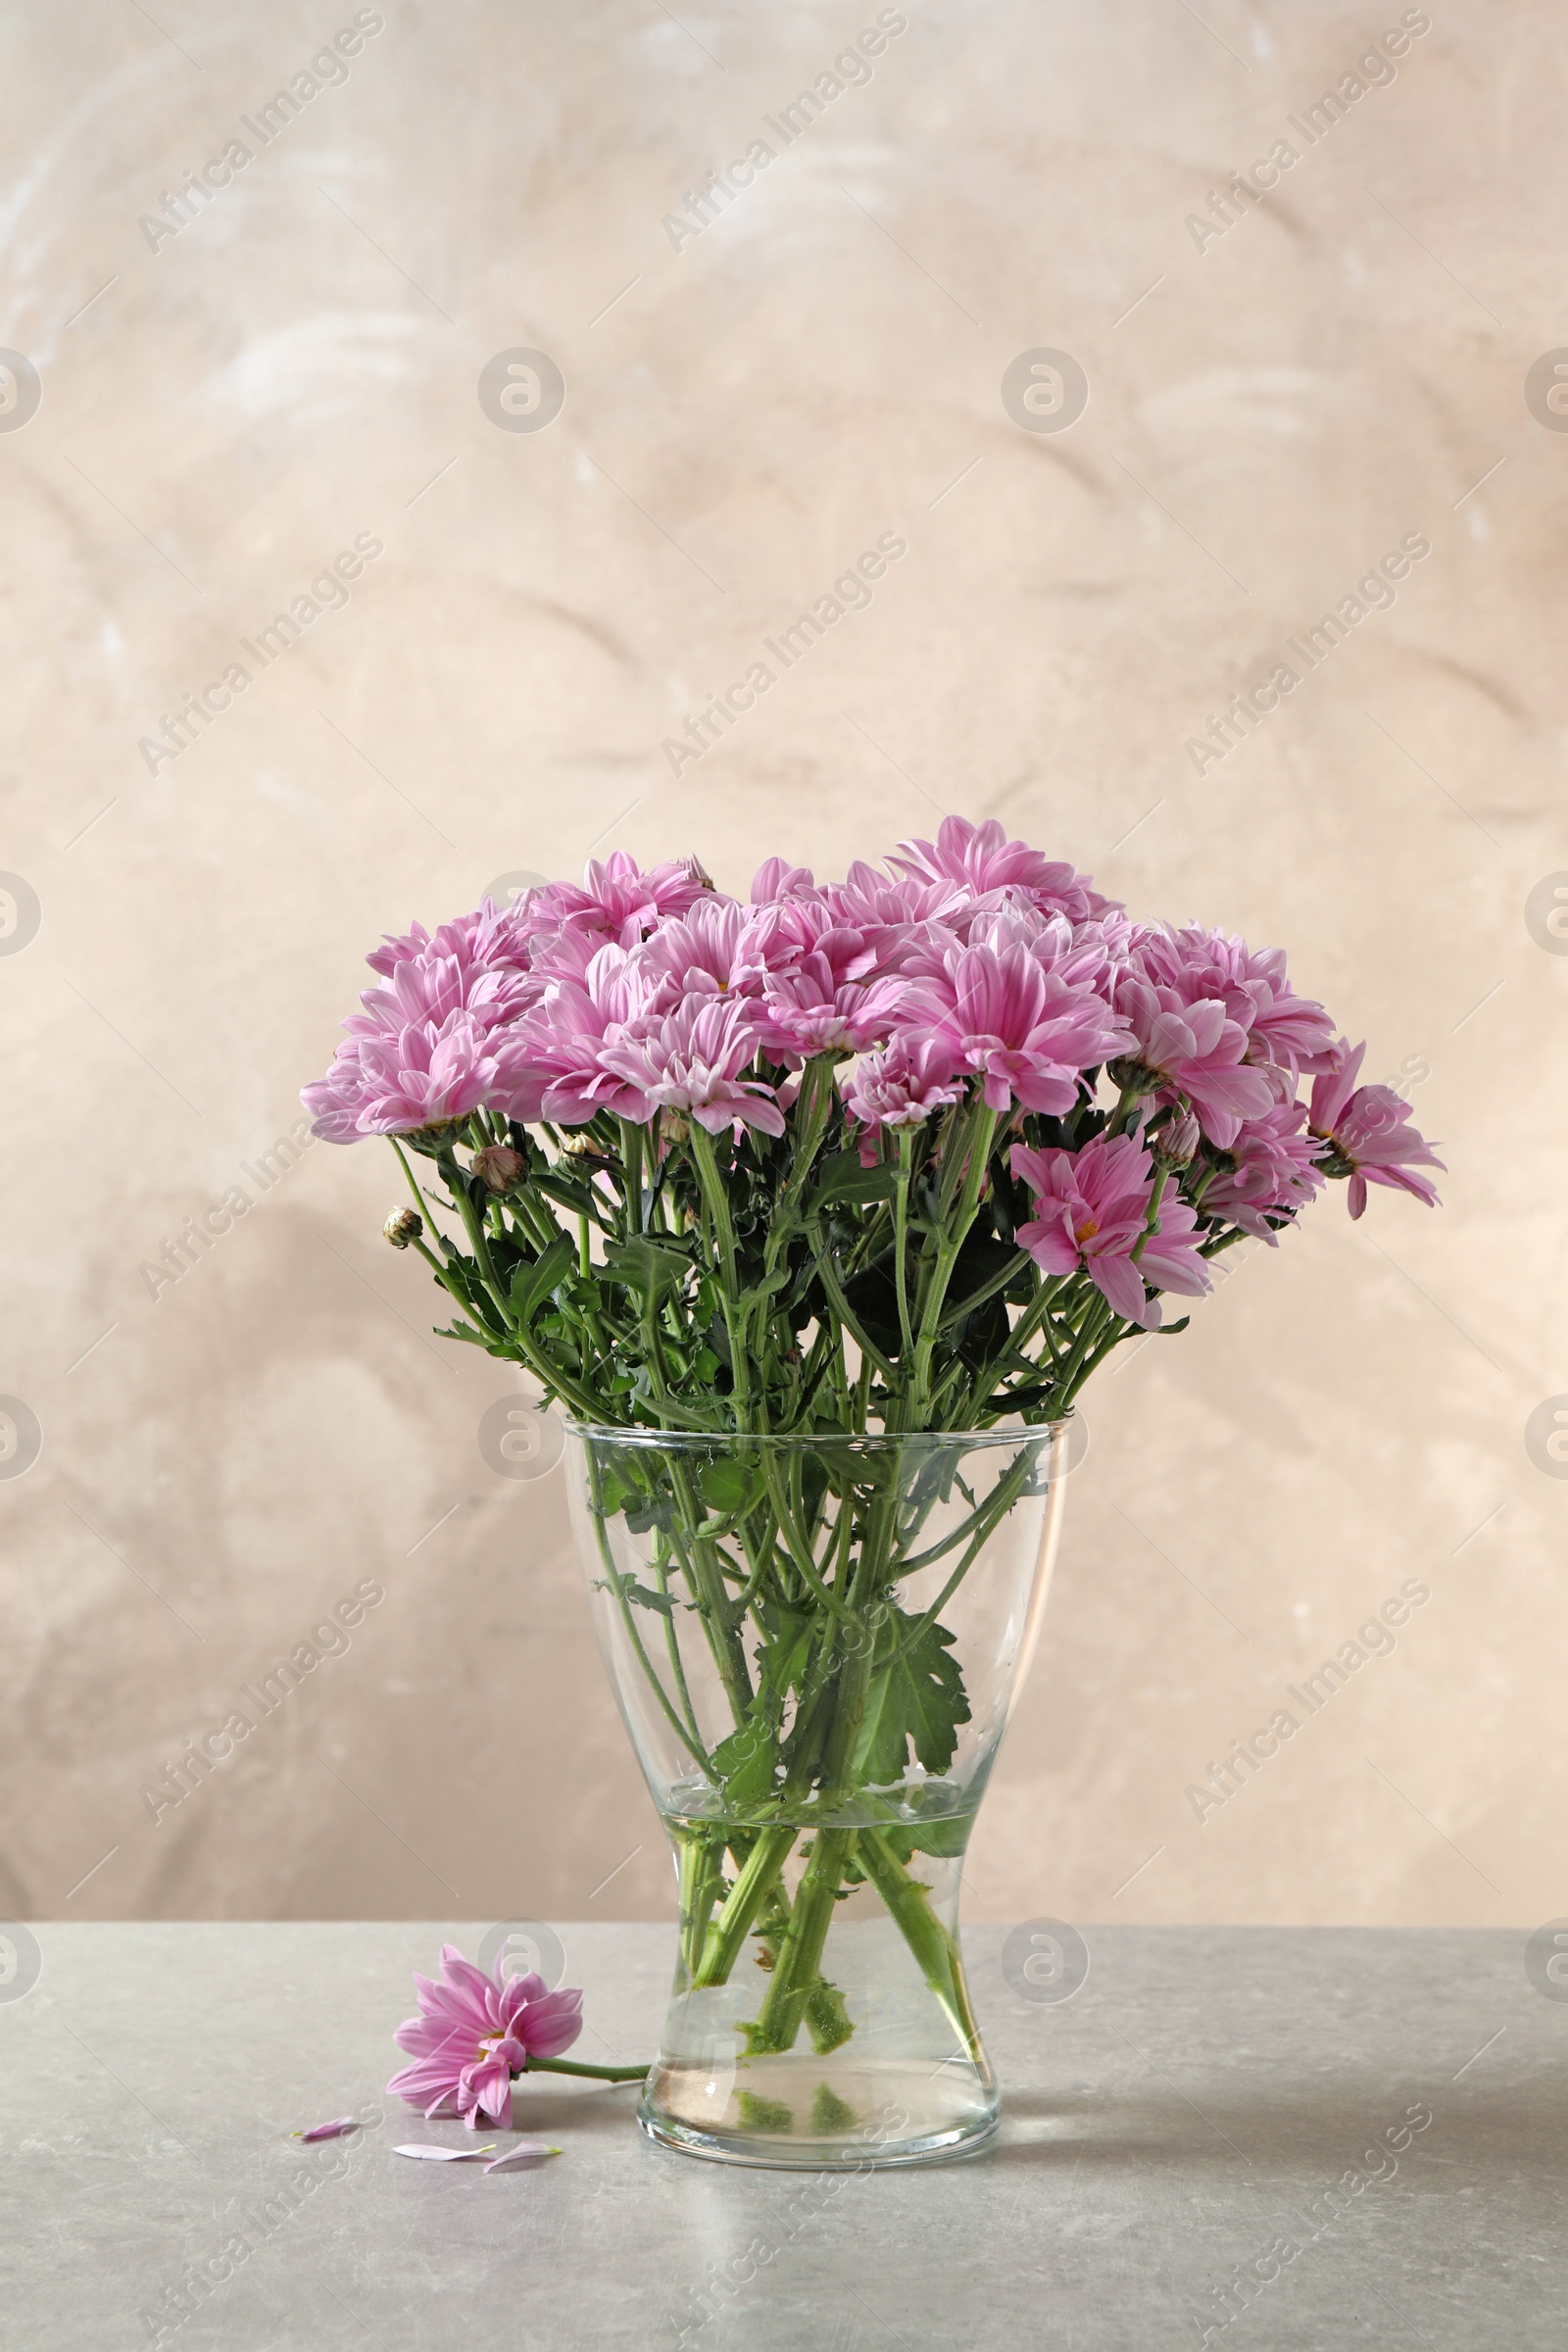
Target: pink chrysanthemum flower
[1026,1032]
[780,936]
[1274,1172]
[708,952]
[552,1065]
[473,2035]
[1076,953]
[483,938]
[692,1062]
[982,859]
[393,1081]
[1368,1133]
[808,1011]
[891,915]
[1094,1212]
[423,1047]
[428,985]
[775,878]
[620,903]
[902,1086]
[1118,938]
[336,1100]
[1251,983]
[1198,1051]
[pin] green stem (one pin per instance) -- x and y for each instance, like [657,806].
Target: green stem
[994,1509]
[677,1665]
[1125,1101]
[900,1241]
[473,1223]
[597,2074]
[988,1290]
[612,1574]
[812,1109]
[840,1307]
[1094,1323]
[910,1902]
[975,1140]
[537,1219]
[702,1858]
[1035,1315]
[795,1542]
[799,1968]
[631,1160]
[449,1283]
[1151,1223]
[420,1201]
[717,1202]
[586,1407]
[754,1881]
[717,1610]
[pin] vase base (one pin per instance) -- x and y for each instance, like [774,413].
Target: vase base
[799,2114]
[823,2156]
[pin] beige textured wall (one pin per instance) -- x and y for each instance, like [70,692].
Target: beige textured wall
[299,364]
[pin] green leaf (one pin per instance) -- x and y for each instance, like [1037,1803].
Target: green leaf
[459,1331]
[644,1596]
[717,1337]
[535,1281]
[873,1300]
[651,1268]
[748,1761]
[572,1192]
[763,1289]
[841,1178]
[781,1662]
[917,1700]
[613,1493]
[980,1260]
[730,1485]
[655,1512]
[944,1839]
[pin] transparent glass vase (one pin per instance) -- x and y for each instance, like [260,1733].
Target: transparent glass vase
[814,1642]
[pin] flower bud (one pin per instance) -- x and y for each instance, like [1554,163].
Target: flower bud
[403,1226]
[578,1144]
[672,1127]
[1178,1143]
[499,1165]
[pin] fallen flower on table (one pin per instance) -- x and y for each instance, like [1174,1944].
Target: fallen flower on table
[475,2033]
[522,2158]
[333,2131]
[427,2147]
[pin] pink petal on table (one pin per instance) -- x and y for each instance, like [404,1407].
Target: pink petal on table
[427,2147]
[522,2158]
[331,2131]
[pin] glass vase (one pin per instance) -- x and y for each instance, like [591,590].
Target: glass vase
[814,1642]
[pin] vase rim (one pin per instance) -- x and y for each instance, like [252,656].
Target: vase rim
[868,1441]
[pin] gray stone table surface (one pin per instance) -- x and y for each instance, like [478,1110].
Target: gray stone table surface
[1222,2130]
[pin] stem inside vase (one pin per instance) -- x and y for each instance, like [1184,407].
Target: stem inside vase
[813,1646]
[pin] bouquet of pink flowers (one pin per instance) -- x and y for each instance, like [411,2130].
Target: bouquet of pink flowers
[816,1209]
[912,1150]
